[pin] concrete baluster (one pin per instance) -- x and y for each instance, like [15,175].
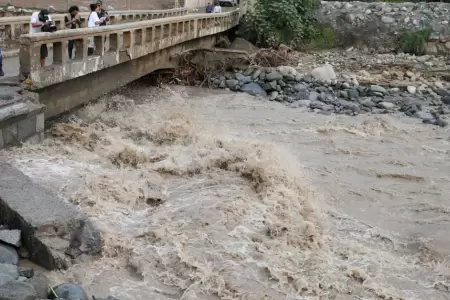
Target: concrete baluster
[99,42]
[60,52]
[81,48]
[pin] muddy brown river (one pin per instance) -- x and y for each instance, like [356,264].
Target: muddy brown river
[203,194]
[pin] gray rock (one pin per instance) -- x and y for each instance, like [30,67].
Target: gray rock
[424,115]
[350,105]
[441,92]
[441,123]
[254,89]
[378,89]
[367,102]
[273,95]
[300,87]
[222,84]
[256,74]
[22,279]
[8,273]
[353,94]
[270,86]
[324,73]
[317,104]
[108,298]
[446,100]
[343,94]
[40,283]
[18,290]
[313,96]
[387,19]
[243,79]
[274,76]
[231,83]
[302,103]
[11,237]
[26,272]
[298,77]
[69,291]
[8,255]
[282,83]
[289,77]
[386,105]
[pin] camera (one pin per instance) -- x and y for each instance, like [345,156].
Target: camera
[48,27]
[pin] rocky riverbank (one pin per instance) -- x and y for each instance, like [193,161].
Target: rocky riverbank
[24,283]
[352,83]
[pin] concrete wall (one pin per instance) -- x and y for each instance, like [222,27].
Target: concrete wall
[63,5]
[379,25]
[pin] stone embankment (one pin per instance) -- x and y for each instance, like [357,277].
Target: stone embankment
[376,84]
[378,25]
[37,225]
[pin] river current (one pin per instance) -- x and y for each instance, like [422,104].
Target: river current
[206,194]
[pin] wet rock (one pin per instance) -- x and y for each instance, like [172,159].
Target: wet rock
[317,104]
[377,89]
[446,100]
[231,83]
[353,94]
[386,105]
[273,95]
[314,96]
[441,123]
[324,73]
[11,237]
[270,86]
[300,103]
[441,92]
[85,239]
[40,283]
[411,89]
[18,290]
[26,272]
[8,273]
[424,115]
[256,74]
[350,105]
[253,89]
[70,291]
[243,79]
[274,76]
[367,102]
[8,255]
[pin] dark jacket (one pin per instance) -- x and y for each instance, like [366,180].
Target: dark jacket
[209,9]
[102,14]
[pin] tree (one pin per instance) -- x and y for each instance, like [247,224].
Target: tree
[283,21]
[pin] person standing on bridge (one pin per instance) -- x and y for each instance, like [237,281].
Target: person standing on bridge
[38,19]
[94,21]
[209,8]
[102,13]
[217,8]
[72,21]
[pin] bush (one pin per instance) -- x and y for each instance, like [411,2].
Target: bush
[325,37]
[414,42]
[284,21]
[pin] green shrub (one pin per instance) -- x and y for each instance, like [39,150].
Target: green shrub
[325,37]
[284,21]
[414,42]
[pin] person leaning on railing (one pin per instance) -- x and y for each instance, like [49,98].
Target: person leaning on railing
[38,19]
[72,20]
[102,13]
[93,21]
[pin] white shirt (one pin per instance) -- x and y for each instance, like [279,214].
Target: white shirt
[35,19]
[217,9]
[93,18]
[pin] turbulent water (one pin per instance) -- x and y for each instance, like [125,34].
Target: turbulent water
[204,194]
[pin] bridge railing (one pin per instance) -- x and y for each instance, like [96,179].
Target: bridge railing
[16,26]
[114,44]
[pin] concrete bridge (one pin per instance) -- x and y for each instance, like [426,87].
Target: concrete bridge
[123,53]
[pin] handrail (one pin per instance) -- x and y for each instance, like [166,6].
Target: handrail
[15,26]
[114,44]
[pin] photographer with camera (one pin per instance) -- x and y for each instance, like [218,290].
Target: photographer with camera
[72,21]
[42,22]
[94,21]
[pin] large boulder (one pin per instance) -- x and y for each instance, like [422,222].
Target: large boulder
[8,255]
[253,89]
[40,283]
[324,73]
[11,237]
[18,290]
[8,273]
[70,291]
